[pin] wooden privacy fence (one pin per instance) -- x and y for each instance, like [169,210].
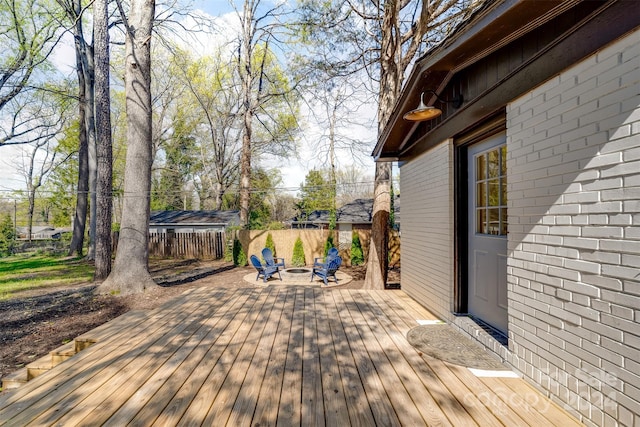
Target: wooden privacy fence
[211,245]
[183,245]
[313,241]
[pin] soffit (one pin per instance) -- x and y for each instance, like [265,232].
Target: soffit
[490,29]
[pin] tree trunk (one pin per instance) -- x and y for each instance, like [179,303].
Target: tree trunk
[246,76]
[391,75]
[80,217]
[377,261]
[92,155]
[130,272]
[245,171]
[32,203]
[103,141]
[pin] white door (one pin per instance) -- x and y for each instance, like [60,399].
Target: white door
[487,240]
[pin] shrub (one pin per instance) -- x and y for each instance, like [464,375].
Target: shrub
[269,244]
[228,251]
[357,257]
[298,254]
[239,257]
[7,236]
[275,225]
[328,245]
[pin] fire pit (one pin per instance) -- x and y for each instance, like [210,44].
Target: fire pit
[298,270]
[296,274]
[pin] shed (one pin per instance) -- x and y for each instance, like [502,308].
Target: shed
[192,221]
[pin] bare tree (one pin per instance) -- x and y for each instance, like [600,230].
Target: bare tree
[28,33]
[74,12]
[103,140]
[381,39]
[259,31]
[353,183]
[334,107]
[34,170]
[130,273]
[39,157]
[214,106]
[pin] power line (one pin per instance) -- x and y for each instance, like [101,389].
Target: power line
[175,192]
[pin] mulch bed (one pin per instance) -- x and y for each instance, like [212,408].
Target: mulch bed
[35,322]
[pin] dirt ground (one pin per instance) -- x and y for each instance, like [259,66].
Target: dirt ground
[35,322]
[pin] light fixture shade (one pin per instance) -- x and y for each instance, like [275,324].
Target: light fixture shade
[423,112]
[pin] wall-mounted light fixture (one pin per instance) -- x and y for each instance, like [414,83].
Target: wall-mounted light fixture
[424,112]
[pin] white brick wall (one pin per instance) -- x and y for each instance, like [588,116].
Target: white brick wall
[574,235]
[427,229]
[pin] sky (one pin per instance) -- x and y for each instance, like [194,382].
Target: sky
[292,170]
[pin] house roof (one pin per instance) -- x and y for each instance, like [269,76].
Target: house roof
[534,40]
[43,231]
[194,217]
[357,212]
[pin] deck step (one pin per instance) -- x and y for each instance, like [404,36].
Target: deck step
[38,367]
[63,353]
[68,350]
[125,321]
[15,379]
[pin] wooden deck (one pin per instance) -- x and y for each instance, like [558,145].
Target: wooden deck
[286,355]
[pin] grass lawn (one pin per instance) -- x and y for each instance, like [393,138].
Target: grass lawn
[30,271]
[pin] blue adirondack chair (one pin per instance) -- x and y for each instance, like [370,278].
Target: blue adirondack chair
[264,270]
[270,260]
[331,254]
[327,270]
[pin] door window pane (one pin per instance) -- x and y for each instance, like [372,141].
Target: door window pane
[481,221]
[493,163]
[494,192]
[494,221]
[503,222]
[481,194]
[491,192]
[481,168]
[503,189]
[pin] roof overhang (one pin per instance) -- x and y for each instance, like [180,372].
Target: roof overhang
[492,28]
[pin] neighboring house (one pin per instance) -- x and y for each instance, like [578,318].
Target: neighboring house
[522,207]
[355,215]
[192,221]
[42,232]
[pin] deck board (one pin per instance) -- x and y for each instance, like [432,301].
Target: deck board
[279,355]
[188,386]
[359,410]
[376,395]
[336,411]
[290,399]
[96,368]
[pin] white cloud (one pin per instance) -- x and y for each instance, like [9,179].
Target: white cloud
[63,56]
[10,161]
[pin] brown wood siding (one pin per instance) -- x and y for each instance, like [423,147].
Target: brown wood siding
[489,82]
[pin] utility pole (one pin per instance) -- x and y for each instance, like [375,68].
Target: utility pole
[15,218]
